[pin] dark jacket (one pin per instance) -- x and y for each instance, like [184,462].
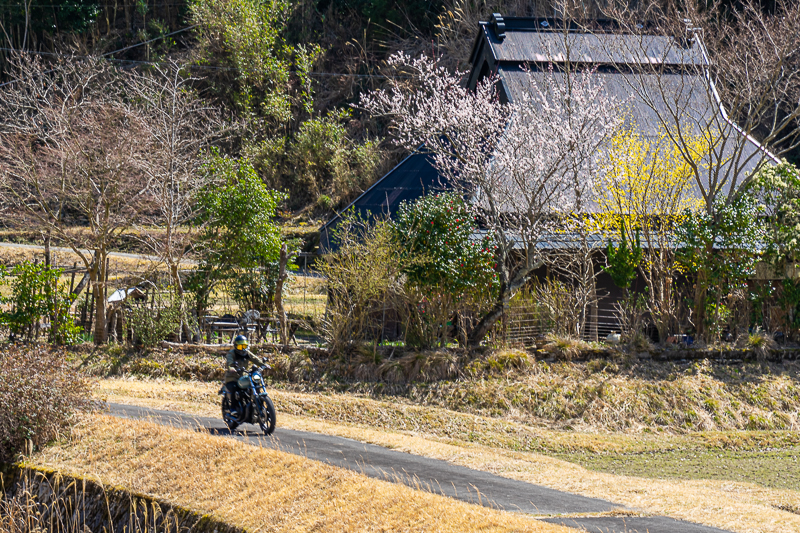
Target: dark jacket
[238,358]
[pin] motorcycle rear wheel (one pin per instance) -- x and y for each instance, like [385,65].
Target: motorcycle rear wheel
[227,417]
[266,415]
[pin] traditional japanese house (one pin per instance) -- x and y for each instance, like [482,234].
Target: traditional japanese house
[654,75]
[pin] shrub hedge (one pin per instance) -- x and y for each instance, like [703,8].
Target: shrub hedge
[40,393]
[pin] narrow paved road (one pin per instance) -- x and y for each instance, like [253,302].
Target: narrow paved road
[434,475]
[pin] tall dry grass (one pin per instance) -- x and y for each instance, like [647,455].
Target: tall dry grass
[607,395]
[261,489]
[47,501]
[346,410]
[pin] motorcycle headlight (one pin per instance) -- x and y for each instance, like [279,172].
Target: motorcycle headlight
[256,378]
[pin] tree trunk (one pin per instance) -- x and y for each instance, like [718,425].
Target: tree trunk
[282,319]
[47,255]
[593,311]
[81,285]
[507,291]
[188,333]
[489,319]
[100,330]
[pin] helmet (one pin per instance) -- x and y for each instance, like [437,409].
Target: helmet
[240,342]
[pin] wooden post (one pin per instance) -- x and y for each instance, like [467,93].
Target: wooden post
[91,307]
[47,258]
[594,315]
[282,319]
[105,298]
[72,277]
[84,308]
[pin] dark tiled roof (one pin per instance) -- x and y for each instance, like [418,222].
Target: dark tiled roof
[686,94]
[412,178]
[533,45]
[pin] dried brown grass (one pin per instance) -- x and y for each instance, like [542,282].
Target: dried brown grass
[10,256]
[564,348]
[40,395]
[739,507]
[615,393]
[434,422]
[423,366]
[261,489]
[48,501]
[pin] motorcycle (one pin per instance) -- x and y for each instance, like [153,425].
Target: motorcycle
[255,406]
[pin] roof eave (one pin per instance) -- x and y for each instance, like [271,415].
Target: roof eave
[476,45]
[338,216]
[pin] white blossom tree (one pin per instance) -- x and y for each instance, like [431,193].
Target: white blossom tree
[526,166]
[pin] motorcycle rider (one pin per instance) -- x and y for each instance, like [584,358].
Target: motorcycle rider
[236,358]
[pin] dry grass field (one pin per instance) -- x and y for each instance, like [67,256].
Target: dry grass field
[261,489]
[119,264]
[306,295]
[736,506]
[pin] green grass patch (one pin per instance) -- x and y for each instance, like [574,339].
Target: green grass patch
[770,467]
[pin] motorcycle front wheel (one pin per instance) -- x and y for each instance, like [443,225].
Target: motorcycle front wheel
[266,415]
[226,414]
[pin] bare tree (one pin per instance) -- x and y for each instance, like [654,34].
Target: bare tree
[180,126]
[524,165]
[70,145]
[730,74]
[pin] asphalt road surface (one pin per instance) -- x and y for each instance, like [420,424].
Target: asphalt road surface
[433,475]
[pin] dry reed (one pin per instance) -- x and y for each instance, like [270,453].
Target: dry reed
[46,501]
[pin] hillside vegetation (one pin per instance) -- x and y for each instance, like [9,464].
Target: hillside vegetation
[287,72]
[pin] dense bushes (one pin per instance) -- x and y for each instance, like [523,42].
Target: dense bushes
[363,283]
[152,324]
[449,271]
[39,395]
[419,278]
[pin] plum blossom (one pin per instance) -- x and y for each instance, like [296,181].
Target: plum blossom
[523,165]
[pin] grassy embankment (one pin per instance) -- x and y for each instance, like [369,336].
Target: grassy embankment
[627,396]
[665,420]
[493,445]
[260,489]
